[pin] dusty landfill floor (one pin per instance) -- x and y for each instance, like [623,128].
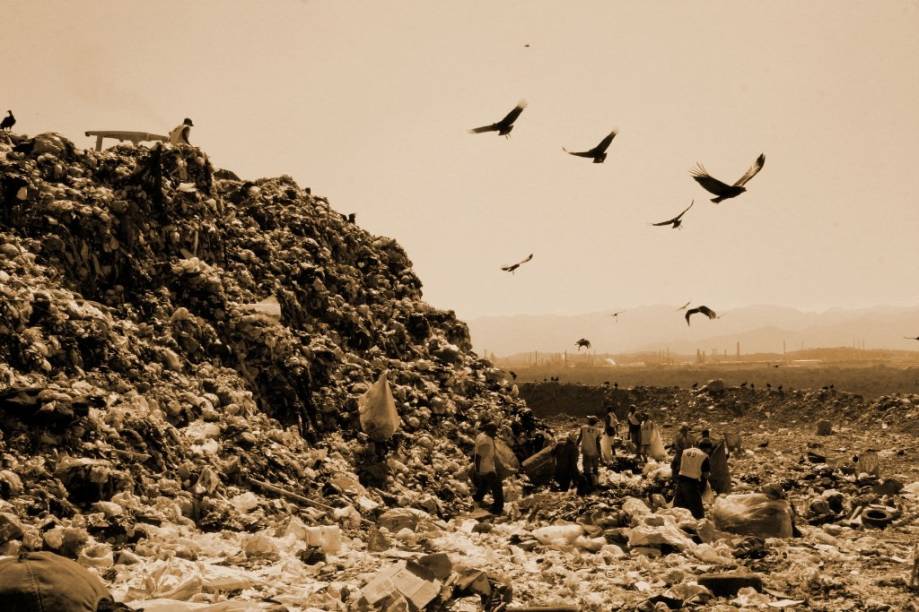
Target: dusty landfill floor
[183,354]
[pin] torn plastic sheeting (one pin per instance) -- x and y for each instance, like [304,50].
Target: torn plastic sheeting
[558,535]
[656,535]
[411,580]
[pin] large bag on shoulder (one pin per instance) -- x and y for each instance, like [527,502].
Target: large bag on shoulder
[377,410]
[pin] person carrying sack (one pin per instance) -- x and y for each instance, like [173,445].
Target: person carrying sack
[634,427]
[694,471]
[485,462]
[589,439]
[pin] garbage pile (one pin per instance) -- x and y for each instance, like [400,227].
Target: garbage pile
[175,340]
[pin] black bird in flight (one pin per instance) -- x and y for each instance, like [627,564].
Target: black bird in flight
[8,122]
[598,153]
[676,221]
[907,338]
[708,312]
[513,267]
[684,306]
[504,126]
[722,190]
[583,343]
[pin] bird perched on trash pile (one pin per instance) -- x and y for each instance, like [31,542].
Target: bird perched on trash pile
[513,267]
[598,153]
[708,312]
[504,126]
[8,122]
[677,220]
[722,190]
[179,135]
[583,343]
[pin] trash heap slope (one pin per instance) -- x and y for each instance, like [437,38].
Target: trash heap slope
[160,318]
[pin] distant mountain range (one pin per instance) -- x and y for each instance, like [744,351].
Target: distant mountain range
[759,329]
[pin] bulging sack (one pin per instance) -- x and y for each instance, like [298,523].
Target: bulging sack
[506,463]
[377,410]
[720,477]
[753,514]
[657,451]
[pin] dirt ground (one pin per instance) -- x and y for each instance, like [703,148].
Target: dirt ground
[869,381]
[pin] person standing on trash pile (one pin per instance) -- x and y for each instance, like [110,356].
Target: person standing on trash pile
[566,462]
[634,426]
[681,442]
[179,135]
[611,431]
[646,430]
[589,439]
[485,460]
[694,471]
[611,422]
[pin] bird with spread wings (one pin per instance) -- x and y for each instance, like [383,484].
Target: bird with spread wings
[504,126]
[583,343]
[722,190]
[598,153]
[677,220]
[708,312]
[513,267]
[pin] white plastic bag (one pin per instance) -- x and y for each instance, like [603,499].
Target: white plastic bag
[606,448]
[657,451]
[377,409]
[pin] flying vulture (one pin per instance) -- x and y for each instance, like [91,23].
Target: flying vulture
[676,221]
[504,126]
[723,191]
[708,312]
[583,343]
[598,153]
[513,267]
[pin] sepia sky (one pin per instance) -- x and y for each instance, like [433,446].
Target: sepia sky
[368,103]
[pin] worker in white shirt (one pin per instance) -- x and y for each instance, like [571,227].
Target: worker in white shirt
[485,458]
[589,439]
[694,471]
[179,135]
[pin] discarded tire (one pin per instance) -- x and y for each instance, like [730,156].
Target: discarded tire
[877,516]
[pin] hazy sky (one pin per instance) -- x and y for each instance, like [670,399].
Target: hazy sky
[368,103]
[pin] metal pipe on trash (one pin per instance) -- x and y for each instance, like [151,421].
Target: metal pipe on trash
[267,486]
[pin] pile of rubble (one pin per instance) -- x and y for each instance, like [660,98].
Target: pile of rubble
[173,338]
